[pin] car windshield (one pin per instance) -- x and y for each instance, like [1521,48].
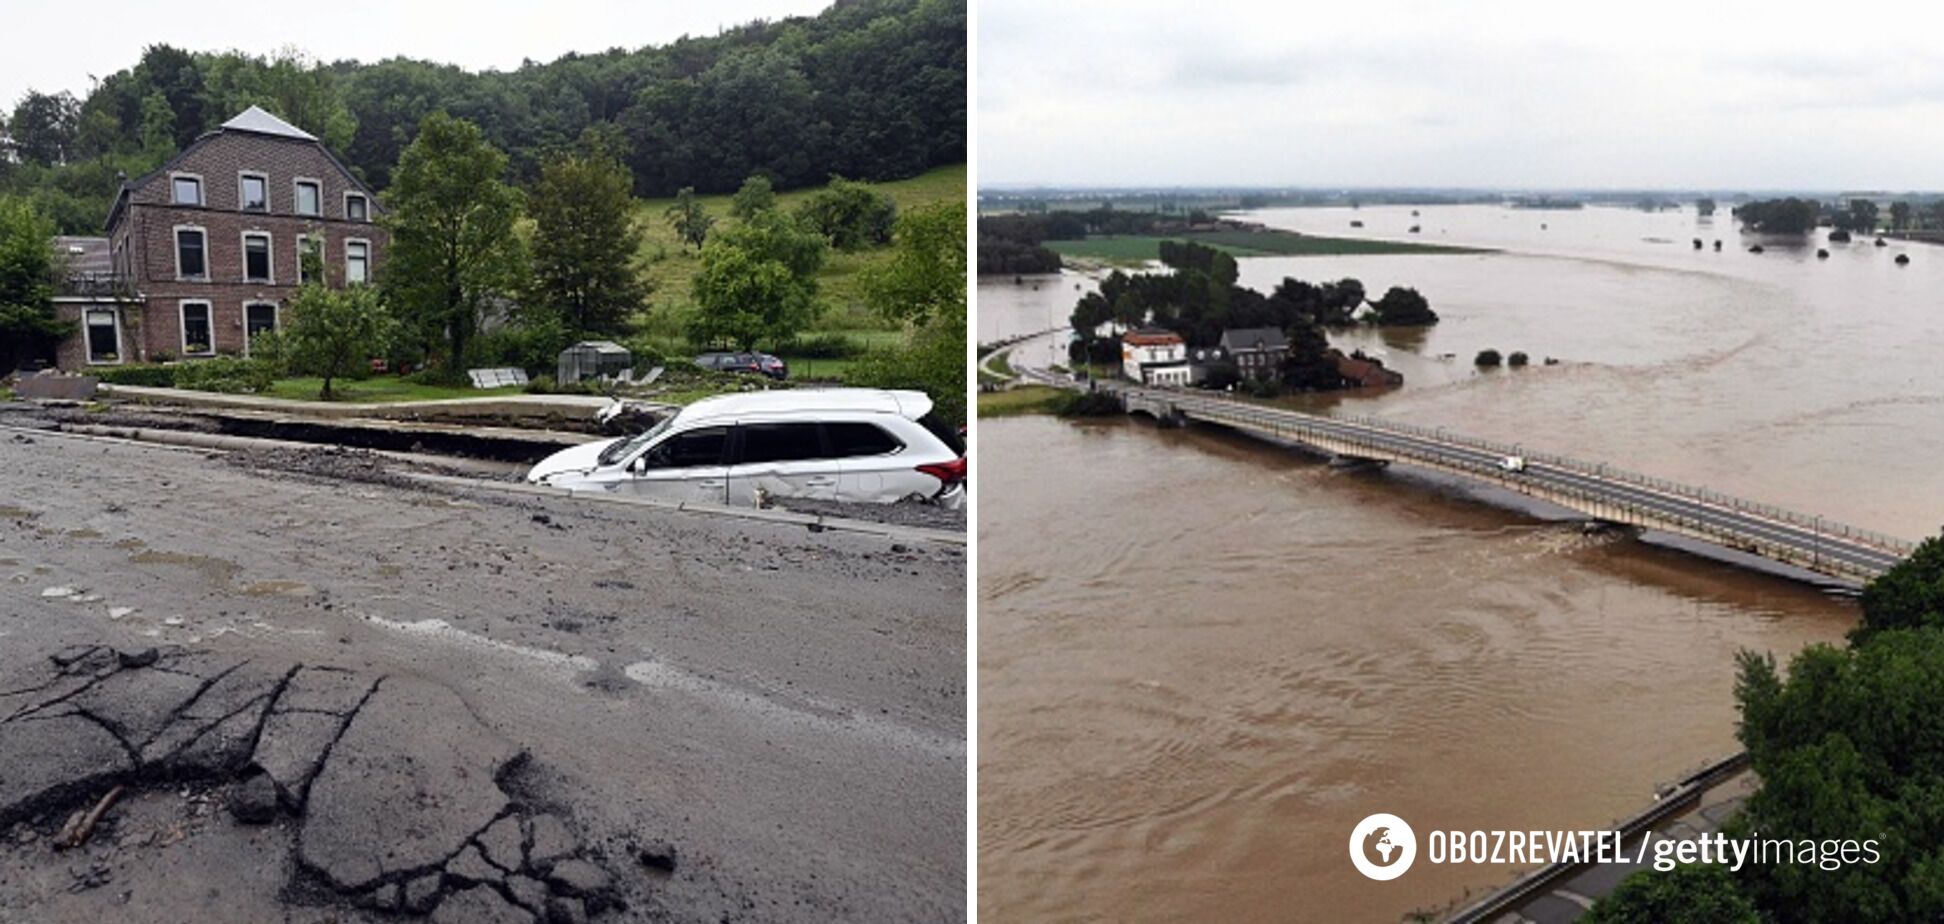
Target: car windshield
[625,448]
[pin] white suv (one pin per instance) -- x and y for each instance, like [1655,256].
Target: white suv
[842,444]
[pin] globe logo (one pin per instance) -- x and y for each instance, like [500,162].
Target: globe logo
[1382,846]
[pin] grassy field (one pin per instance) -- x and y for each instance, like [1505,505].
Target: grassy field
[1029,399]
[379,390]
[670,266]
[1140,249]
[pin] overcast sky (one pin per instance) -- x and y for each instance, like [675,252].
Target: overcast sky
[53,46]
[1767,95]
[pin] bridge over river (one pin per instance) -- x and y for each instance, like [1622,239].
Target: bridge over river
[1600,491]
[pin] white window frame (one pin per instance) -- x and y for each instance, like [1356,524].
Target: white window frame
[297,197]
[323,258]
[276,318]
[182,324]
[347,261]
[202,188]
[351,194]
[268,206]
[175,246]
[87,346]
[270,251]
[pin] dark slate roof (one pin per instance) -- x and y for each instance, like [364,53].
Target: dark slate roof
[1248,338]
[84,254]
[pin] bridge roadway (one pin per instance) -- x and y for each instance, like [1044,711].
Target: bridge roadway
[1600,491]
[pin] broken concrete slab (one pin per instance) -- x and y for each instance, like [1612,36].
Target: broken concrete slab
[503,843]
[479,905]
[415,772]
[291,750]
[471,866]
[53,758]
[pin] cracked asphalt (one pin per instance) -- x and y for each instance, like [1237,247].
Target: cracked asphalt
[318,699]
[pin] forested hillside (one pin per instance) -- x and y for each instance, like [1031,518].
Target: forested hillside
[869,89]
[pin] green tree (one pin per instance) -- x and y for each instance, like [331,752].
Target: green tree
[1403,307]
[925,276]
[1900,216]
[334,332]
[756,195]
[757,282]
[850,215]
[933,360]
[689,218]
[1909,595]
[1779,216]
[1687,894]
[1704,206]
[585,243]
[42,128]
[28,264]
[923,286]
[286,84]
[453,250]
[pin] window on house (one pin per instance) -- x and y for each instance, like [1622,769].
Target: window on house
[355,207]
[309,198]
[256,257]
[310,260]
[357,262]
[104,336]
[198,333]
[258,318]
[188,190]
[255,193]
[191,262]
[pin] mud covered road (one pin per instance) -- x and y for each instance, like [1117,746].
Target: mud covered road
[312,698]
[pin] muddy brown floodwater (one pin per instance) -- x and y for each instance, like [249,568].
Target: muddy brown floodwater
[1199,671]
[1203,659]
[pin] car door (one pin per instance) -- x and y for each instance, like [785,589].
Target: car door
[782,459]
[687,467]
[871,467]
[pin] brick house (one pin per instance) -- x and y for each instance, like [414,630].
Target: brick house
[203,253]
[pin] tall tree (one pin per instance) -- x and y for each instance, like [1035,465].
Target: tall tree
[689,218]
[585,243]
[28,327]
[758,282]
[453,250]
[42,127]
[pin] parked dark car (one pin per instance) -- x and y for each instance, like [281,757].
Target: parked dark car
[755,363]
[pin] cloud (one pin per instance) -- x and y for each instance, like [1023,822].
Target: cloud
[1505,94]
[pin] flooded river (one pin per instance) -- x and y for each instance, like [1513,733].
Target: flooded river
[1203,659]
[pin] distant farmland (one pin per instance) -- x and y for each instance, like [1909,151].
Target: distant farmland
[1142,248]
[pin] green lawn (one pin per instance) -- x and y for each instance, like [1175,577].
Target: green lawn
[384,388]
[671,266]
[1029,399]
[1142,248]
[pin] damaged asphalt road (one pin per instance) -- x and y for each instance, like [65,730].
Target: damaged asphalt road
[341,700]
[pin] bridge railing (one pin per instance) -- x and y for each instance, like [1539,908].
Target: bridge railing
[1301,420]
